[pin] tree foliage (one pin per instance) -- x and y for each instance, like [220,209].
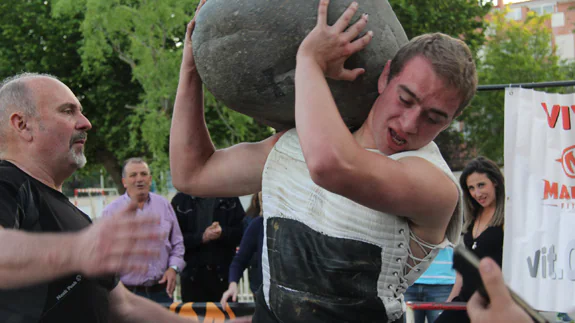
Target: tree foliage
[515,52]
[121,57]
[147,36]
[458,18]
[32,40]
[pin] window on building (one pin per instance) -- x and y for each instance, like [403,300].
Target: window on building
[514,14]
[558,19]
[543,9]
[565,46]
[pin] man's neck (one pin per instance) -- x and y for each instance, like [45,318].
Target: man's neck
[141,200]
[39,172]
[364,135]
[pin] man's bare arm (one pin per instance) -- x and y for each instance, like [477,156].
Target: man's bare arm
[31,258]
[197,167]
[106,247]
[126,307]
[411,187]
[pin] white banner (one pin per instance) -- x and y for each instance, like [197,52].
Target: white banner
[539,244]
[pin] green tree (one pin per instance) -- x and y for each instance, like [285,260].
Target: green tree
[515,52]
[458,18]
[146,35]
[32,40]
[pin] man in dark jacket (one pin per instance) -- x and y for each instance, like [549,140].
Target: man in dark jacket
[55,265]
[212,229]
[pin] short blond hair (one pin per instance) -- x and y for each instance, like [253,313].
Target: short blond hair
[450,57]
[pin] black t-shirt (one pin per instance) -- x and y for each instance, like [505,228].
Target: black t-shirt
[28,205]
[488,244]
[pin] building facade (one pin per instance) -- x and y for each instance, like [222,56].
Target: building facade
[562,22]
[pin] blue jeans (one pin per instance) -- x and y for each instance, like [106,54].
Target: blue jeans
[427,293]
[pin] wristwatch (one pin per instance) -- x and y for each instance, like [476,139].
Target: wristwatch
[176,269]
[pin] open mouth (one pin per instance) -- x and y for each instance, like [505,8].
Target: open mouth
[396,138]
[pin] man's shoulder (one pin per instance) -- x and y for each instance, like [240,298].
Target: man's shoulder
[158,198]
[12,175]
[429,152]
[160,201]
[115,204]
[182,199]
[288,144]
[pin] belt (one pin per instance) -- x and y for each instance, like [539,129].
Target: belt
[147,289]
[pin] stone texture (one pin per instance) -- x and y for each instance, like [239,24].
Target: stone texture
[245,52]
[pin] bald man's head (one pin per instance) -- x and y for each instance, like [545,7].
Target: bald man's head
[16,95]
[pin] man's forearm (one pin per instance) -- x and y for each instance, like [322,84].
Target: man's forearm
[323,134]
[31,258]
[178,248]
[190,142]
[136,309]
[143,310]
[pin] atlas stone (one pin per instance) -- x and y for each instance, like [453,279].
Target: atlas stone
[245,51]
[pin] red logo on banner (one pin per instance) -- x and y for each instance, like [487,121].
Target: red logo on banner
[558,191]
[567,161]
[555,111]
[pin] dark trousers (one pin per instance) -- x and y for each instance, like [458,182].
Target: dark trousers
[206,284]
[156,293]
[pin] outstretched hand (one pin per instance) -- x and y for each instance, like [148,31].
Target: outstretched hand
[331,46]
[124,242]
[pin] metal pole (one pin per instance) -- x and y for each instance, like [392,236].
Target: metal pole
[496,87]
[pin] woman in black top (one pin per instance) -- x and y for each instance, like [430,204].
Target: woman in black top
[249,253]
[484,195]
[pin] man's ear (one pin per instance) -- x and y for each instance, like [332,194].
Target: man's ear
[21,125]
[382,81]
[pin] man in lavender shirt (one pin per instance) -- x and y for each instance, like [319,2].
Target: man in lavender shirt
[159,282]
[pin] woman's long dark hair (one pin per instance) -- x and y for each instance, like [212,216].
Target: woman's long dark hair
[255,208]
[483,165]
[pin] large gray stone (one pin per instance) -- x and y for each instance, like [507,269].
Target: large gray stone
[245,52]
